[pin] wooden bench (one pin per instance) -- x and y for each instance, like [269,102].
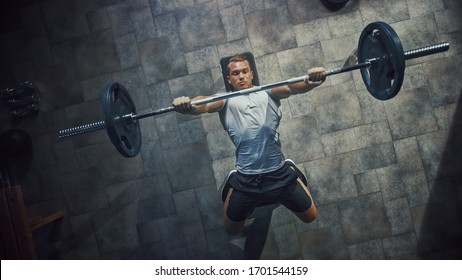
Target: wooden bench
[16,226]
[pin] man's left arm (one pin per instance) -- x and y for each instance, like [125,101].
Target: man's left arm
[316,76]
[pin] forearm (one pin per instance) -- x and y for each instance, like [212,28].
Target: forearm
[301,87]
[316,76]
[184,106]
[198,109]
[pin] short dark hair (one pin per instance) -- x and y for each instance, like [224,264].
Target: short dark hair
[237,58]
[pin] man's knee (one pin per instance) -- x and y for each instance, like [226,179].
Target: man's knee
[309,215]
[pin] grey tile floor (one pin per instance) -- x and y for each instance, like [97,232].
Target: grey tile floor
[386,176]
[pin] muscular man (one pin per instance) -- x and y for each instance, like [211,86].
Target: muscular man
[263,175]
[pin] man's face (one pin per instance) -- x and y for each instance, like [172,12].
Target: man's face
[240,75]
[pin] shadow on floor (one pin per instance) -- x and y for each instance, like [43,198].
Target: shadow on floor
[439,236]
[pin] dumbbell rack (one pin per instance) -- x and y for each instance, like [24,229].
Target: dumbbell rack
[22,101]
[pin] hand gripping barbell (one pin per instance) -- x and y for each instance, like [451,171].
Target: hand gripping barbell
[381,60]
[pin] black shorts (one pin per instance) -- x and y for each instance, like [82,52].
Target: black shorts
[280,186]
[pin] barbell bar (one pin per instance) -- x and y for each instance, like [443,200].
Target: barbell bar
[415,53]
[381,60]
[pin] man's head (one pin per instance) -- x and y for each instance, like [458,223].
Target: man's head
[240,75]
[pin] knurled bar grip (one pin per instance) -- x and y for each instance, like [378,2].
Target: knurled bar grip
[419,52]
[220,96]
[82,129]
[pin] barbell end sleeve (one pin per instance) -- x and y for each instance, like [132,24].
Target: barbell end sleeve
[428,50]
[81,129]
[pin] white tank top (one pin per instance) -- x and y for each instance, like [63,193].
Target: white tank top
[252,122]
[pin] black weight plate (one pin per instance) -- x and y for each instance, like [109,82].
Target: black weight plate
[125,135]
[385,76]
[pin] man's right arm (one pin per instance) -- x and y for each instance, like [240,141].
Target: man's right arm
[183,105]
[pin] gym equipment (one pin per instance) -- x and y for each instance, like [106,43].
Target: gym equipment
[381,60]
[22,101]
[224,69]
[334,5]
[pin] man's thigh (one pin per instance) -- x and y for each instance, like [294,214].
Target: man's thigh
[240,205]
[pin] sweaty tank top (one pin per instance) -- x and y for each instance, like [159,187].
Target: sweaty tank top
[252,122]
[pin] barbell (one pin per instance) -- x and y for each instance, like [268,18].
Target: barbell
[381,60]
